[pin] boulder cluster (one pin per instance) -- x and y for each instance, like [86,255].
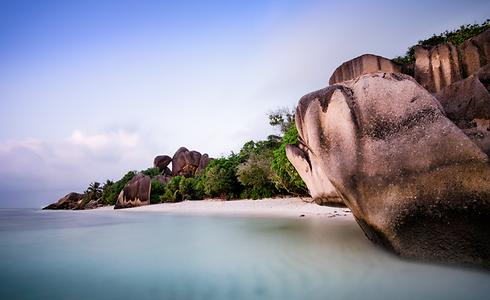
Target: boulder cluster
[184,163]
[137,191]
[408,155]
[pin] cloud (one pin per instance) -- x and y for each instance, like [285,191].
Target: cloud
[98,142]
[73,162]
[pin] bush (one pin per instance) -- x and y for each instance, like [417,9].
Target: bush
[256,176]
[220,178]
[157,190]
[152,172]
[172,191]
[285,175]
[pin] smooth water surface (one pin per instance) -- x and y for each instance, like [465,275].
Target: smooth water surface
[142,255]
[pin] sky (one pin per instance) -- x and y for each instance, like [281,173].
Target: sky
[92,89]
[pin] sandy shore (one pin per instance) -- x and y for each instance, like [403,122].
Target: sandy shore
[279,207]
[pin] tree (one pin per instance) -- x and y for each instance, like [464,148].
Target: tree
[256,176]
[282,118]
[285,175]
[152,172]
[93,192]
[220,178]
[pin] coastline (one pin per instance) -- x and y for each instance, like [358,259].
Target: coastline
[291,207]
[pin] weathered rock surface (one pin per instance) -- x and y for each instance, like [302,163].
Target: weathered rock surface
[364,64]
[467,104]
[161,162]
[203,163]
[439,66]
[70,201]
[163,178]
[309,167]
[187,163]
[475,53]
[135,193]
[413,180]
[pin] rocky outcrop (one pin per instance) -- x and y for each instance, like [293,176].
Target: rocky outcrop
[309,167]
[161,162]
[163,178]
[413,180]
[364,64]
[439,66]
[69,201]
[135,193]
[187,163]
[203,163]
[475,53]
[467,104]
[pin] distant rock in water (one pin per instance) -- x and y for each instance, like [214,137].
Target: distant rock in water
[70,201]
[135,193]
[364,64]
[414,181]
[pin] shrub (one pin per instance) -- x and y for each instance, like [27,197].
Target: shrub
[172,191]
[152,172]
[220,178]
[256,176]
[285,175]
[157,190]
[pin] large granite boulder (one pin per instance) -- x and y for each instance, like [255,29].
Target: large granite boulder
[203,163]
[475,53]
[135,193]
[414,181]
[161,162]
[364,64]
[467,104]
[309,168]
[187,163]
[439,66]
[163,178]
[69,201]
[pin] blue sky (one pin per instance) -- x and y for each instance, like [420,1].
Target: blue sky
[91,89]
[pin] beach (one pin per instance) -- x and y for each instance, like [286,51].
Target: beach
[290,207]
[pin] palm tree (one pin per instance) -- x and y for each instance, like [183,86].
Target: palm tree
[94,191]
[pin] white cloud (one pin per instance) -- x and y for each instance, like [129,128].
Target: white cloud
[72,162]
[102,141]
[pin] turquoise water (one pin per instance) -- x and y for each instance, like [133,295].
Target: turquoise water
[135,255]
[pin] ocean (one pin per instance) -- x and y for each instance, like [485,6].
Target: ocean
[153,255]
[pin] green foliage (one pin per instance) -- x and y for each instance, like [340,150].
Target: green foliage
[256,148]
[111,192]
[172,190]
[282,118]
[157,190]
[93,192]
[285,175]
[152,172]
[256,175]
[220,178]
[456,37]
[182,188]
[191,189]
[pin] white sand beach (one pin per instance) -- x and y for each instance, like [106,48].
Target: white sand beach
[276,207]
